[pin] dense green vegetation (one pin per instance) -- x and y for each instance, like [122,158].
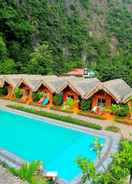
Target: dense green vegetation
[18,93]
[58,99]
[120,109]
[38,36]
[85,105]
[30,172]
[37,96]
[3,91]
[117,171]
[67,119]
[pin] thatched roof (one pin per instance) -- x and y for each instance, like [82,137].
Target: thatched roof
[31,81]
[55,84]
[12,80]
[127,98]
[83,86]
[118,88]
[52,82]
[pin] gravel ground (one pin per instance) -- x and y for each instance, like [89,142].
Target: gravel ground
[8,178]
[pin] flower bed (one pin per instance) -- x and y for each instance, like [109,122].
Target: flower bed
[123,120]
[59,108]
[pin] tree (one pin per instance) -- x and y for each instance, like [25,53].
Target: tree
[41,60]
[87,168]
[7,66]
[89,172]
[3,49]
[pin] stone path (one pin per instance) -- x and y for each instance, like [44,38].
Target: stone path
[8,178]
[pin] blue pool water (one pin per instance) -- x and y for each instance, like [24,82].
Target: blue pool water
[56,146]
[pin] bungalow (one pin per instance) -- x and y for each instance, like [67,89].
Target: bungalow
[49,85]
[37,83]
[128,99]
[77,88]
[107,93]
[9,83]
[27,84]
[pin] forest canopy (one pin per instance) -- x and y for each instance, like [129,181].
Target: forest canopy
[52,37]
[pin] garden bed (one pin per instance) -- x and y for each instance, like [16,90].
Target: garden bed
[59,108]
[123,120]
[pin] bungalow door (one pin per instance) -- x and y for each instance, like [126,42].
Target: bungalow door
[101,102]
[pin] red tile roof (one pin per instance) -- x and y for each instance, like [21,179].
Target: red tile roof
[76,72]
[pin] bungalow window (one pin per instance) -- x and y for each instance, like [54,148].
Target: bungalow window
[101,102]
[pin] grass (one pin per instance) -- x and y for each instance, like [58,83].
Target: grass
[67,119]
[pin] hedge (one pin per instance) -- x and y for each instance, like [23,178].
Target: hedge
[120,109]
[113,129]
[67,119]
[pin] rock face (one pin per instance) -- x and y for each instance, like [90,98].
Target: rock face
[8,178]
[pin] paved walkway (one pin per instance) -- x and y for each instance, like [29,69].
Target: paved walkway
[8,178]
[125,130]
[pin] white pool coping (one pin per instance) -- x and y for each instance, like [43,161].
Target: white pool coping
[109,148]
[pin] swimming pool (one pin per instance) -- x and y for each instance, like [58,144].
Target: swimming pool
[35,139]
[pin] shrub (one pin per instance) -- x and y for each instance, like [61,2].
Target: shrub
[3,91]
[85,105]
[113,129]
[114,108]
[120,110]
[123,110]
[37,96]
[18,93]
[30,172]
[67,119]
[58,99]
[69,101]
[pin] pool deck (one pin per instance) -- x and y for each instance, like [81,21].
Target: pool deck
[110,147]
